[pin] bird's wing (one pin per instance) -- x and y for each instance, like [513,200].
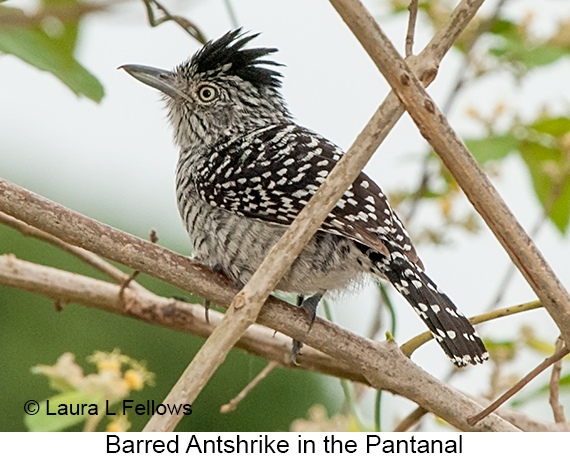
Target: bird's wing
[271,174]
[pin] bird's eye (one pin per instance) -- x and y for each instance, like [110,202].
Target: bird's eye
[208,93]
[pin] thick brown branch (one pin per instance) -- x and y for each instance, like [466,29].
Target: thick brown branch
[389,369]
[88,257]
[147,307]
[478,188]
[383,364]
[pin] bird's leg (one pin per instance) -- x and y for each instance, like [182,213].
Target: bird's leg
[309,305]
[207,305]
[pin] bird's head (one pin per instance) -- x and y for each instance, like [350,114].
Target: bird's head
[223,91]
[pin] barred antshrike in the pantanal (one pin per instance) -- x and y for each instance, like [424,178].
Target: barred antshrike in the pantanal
[245,172]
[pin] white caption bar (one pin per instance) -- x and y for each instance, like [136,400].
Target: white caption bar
[290,444]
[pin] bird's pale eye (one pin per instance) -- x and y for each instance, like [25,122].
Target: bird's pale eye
[208,93]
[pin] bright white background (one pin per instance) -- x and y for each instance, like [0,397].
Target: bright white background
[115,161]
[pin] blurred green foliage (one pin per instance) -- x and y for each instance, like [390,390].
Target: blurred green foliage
[32,332]
[544,146]
[542,143]
[518,48]
[48,44]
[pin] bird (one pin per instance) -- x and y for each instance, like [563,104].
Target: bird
[245,171]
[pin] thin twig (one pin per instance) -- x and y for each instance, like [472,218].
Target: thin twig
[411,419]
[234,402]
[128,281]
[558,355]
[554,388]
[124,284]
[413,8]
[232,14]
[411,345]
[523,421]
[65,12]
[188,26]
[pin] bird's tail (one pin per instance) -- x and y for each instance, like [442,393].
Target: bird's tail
[448,325]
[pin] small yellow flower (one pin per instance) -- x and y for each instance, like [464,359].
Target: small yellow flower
[473,113]
[110,364]
[121,424]
[135,379]
[500,108]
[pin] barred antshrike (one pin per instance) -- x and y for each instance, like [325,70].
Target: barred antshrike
[246,170]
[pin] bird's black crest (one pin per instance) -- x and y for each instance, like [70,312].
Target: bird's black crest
[245,63]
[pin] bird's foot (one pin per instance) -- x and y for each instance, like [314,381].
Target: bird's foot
[296,350]
[309,305]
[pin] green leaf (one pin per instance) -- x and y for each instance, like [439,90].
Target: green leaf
[495,147]
[71,402]
[66,34]
[503,28]
[553,126]
[54,55]
[539,56]
[516,48]
[550,180]
[516,51]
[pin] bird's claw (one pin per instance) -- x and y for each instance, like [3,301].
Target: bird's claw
[295,351]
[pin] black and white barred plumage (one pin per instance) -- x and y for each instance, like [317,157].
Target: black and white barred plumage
[246,170]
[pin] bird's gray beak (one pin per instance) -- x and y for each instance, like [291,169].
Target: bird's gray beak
[162,80]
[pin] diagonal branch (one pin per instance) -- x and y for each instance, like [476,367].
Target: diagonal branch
[558,355]
[383,364]
[477,187]
[190,28]
[360,352]
[247,303]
